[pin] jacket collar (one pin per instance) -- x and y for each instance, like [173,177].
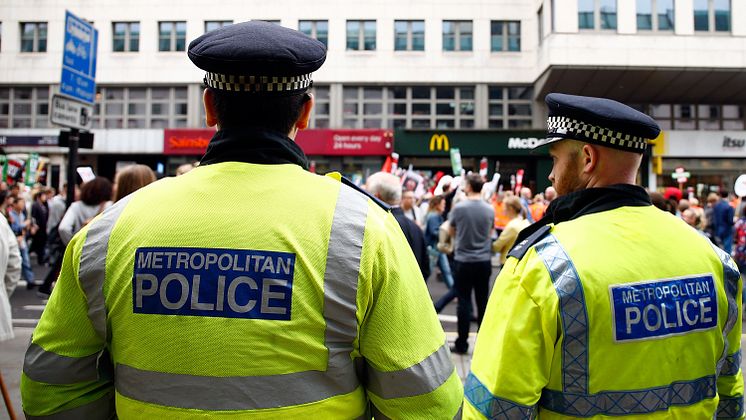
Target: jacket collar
[592,200]
[253,145]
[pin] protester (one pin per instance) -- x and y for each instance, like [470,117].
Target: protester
[433,222]
[387,188]
[514,211]
[472,223]
[20,224]
[131,179]
[39,217]
[95,196]
[722,215]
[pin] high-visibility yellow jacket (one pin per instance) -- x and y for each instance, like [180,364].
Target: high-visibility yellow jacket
[624,312]
[241,290]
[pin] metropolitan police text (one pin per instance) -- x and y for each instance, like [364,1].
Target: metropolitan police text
[213,282]
[664,307]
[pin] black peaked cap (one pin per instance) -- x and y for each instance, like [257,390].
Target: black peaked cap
[257,56]
[598,120]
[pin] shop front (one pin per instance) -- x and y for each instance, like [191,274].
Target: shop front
[711,159]
[355,153]
[112,150]
[507,152]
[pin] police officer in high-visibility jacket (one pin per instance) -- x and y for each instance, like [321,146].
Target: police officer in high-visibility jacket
[608,307]
[248,287]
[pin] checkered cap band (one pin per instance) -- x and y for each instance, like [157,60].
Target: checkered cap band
[571,128]
[256,84]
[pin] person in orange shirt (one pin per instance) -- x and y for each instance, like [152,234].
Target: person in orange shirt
[501,220]
[537,208]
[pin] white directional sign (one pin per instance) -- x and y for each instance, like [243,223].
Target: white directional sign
[70,113]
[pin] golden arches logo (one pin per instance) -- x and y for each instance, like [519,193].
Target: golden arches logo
[439,142]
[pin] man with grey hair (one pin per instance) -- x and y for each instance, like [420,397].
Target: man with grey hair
[387,188]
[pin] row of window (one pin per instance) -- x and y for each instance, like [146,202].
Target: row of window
[409,35]
[425,107]
[655,15]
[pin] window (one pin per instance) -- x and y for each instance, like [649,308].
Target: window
[318,29]
[320,115]
[409,35]
[698,117]
[712,15]
[171,36]
[33,36]
[125,36]
[506,35]
[510,106]
[457,35]
[211,25]
[655,15]
[408,107]
[540,20]
[24,107]
[361,35]
[141,107]
[597,14]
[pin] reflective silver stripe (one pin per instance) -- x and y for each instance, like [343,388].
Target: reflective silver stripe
[730,408]
[732,364]
[341,276]
[573,313]
[230,392]
[92,271]
[731,278]
[102,408]
[643,401]
[51,368]
[422,378]
[491,406]
[258,392]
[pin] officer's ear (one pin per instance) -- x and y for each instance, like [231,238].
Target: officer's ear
[211,115]
[305,113]
[589,155]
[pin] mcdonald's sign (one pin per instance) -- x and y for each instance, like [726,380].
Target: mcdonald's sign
[439,142]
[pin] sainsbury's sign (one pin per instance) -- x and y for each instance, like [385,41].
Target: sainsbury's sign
[313,142]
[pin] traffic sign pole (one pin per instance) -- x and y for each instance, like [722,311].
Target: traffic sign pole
[71,165]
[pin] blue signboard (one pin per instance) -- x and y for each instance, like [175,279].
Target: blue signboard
[79,59]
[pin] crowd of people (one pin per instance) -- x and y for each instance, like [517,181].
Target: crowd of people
[43,224]
[453,252]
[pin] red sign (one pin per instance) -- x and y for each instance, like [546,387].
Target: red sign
[346,142]
[186,142]
[313,142]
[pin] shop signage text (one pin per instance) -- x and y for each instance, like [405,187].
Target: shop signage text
[522,143]
[32,141]
[346,142]
[731,143]
[313,142]
[186,142]
[470,142]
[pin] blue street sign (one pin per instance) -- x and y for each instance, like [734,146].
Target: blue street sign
[79,59]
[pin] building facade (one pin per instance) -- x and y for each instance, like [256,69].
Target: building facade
[473,71]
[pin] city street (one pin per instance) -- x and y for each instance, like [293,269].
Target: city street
[27,308]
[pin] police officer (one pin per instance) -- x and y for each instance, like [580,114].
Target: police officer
[247,287]
[608,306]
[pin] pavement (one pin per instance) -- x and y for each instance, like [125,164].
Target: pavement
[27,308]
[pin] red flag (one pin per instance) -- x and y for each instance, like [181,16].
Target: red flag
[391,164]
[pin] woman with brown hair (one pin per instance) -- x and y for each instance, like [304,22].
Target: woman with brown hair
[131,179]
